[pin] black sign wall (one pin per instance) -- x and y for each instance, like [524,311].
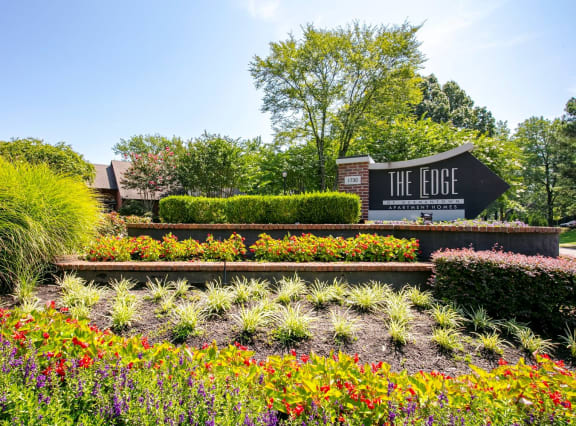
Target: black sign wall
[457,186]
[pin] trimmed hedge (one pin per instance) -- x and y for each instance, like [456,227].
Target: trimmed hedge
[326,207]
[529,288]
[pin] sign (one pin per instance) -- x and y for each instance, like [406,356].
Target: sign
[352,180]
[450,185]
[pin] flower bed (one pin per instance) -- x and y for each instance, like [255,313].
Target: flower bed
[57,370]
[306,248]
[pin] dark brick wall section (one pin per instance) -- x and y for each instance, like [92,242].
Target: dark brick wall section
[526,240]
[395,273]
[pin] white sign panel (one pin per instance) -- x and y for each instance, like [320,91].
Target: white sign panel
[352,180]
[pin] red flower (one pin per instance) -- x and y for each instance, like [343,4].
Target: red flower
[77,342]
[298,410]
[86,362]
[305,358]
[502,361]
[51,304]
[45,335]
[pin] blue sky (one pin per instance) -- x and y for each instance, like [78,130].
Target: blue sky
[89,72]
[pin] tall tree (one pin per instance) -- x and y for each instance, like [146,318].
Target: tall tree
[147,144]
[321,87]
[60,157]
[540,140]
[213,165]
[449,103]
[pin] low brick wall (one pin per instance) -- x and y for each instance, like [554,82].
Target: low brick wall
[526,240]
[394,273]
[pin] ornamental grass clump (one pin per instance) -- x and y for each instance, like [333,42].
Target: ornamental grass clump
[368,297]
[290,289]
[533,343]
[250,319]
[293,323]
[445,316]
[345,326]
[491,342]
[399,331]
[241,289]
[159,288]
[420,299]
[181,288]
[569,339]
[339,290]
[76,292]
[217,298]
[397,307]
[42,215]
[448,339]
[479,319]
[320,294]
[187,319]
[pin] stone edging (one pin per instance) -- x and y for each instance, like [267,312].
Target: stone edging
[67,264]
[353,227]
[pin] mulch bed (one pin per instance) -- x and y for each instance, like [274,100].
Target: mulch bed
[372,343]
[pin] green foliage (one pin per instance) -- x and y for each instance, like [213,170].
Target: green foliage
[491,342]
[420,299]
[292,324]
[320,294]
[568,238]
[145,144]
[61,158]
[531,288]
[332,207]
[368,297]
[449,103]
[249,320]
[75,291]
[345,325]
[97,371]
[533,343]
[213,165]
[42,215]
[150,174]
[112,224]
[480,320]
[218,298]
[187,319]
[321,87]
[541,142]
[290,289]
[159,289]
[446,317]
[398,331]
[447,339]
[569,339]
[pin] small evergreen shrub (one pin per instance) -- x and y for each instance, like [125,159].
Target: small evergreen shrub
[529,288]
[327,207]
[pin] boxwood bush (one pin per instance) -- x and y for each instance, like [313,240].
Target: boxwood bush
[529,288]
[327,207]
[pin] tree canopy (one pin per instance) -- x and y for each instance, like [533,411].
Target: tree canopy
[320,88]
[449,103]
[61,158]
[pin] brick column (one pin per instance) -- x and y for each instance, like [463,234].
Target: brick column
[354,178]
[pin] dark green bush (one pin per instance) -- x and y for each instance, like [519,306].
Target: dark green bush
[186,209]
[246,209]
[329,207]
[535,289]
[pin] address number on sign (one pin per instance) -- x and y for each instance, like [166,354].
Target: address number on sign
[352,180]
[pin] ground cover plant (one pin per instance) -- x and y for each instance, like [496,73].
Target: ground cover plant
[568,238]
[535,289]
[304,248]
[60,370]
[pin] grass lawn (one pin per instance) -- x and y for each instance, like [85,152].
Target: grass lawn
[568,238]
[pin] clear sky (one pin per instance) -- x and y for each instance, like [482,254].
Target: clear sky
[89,72]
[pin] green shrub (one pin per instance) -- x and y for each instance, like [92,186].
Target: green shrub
[534,289]
[186,209]
[42,215]
[246,209]
[327,207]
